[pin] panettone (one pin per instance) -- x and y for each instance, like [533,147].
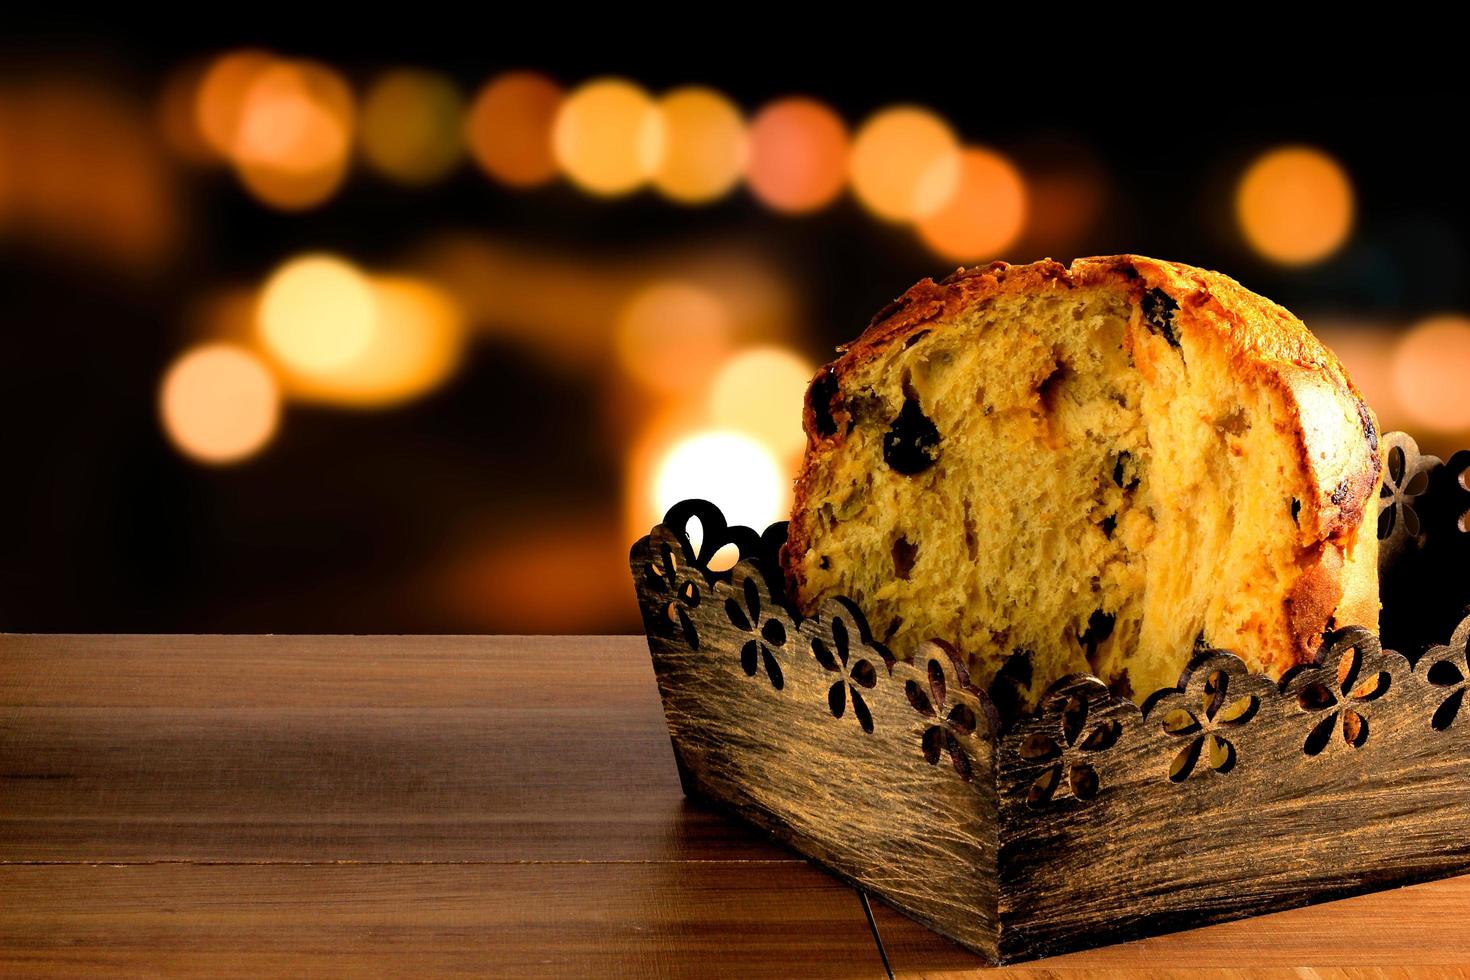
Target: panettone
[1099,468]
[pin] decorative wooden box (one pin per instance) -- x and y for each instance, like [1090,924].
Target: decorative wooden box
[1092,820]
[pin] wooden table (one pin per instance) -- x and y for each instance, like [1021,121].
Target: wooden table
[494,806]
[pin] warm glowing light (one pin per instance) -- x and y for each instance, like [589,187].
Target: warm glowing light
[1067,192]
[317,313]
[1295,205]
[759,392]
[220,96]
[509,128]
[1430,366]
[671,335]
[986,212]
[732,470]
[704,145]
[292,143]
[83,169]
[412,125]
[219,403]
[798,155]
[416,343]
[608,137]
[905,163]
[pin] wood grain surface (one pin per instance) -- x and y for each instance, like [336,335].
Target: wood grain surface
[327,806]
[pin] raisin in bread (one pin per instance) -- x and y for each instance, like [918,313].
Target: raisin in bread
[1099,468]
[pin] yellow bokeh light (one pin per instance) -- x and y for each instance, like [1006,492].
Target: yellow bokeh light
[317,313]
[220,96]
[608,137]
[1430,366]
[671,335]
[759,392]
[704,145]
[417,342]
[732,470]
[508,128]
[905,163]
[219,404]
[1295,205]
[986,213]
[412,125]
[291,147]
[798,155]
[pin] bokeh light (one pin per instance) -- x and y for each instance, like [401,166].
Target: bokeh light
[798,155]
[412,125]
[293,142]
[735,472]
[316,314]
[496,580]
[671,335]
[508,128]
[220,97]
[219,403]
[986,213]
[1068,193]
[759,392]
[1295,205]
[608,137]
[704,145]
[1430,366]
[84,170]
[905,163]
[416,343]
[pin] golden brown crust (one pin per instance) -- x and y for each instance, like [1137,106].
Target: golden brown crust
[1266,343]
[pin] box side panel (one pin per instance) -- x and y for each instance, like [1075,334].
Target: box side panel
[880,772]
[1349,779]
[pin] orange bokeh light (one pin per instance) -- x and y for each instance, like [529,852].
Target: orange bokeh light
[412,125]
[220,97]
[798,155]
[83,169]
[1430,366]
[986,213]
[671,335]
[905,163]
[219,404]
[608,137]
[1295,205]
[294,137]
[704,145]
[508,128]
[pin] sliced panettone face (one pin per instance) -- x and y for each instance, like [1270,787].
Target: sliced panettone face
[1092,469]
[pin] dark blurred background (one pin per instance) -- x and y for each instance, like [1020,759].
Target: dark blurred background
[410,334]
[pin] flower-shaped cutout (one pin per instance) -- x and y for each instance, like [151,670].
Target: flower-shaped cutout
[952,721]
[838,653]
[711,544]
[678,592]
[1406,479]
[1206,721]
[753,612]
[1066,743]
[1447,668]
[1340,691]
